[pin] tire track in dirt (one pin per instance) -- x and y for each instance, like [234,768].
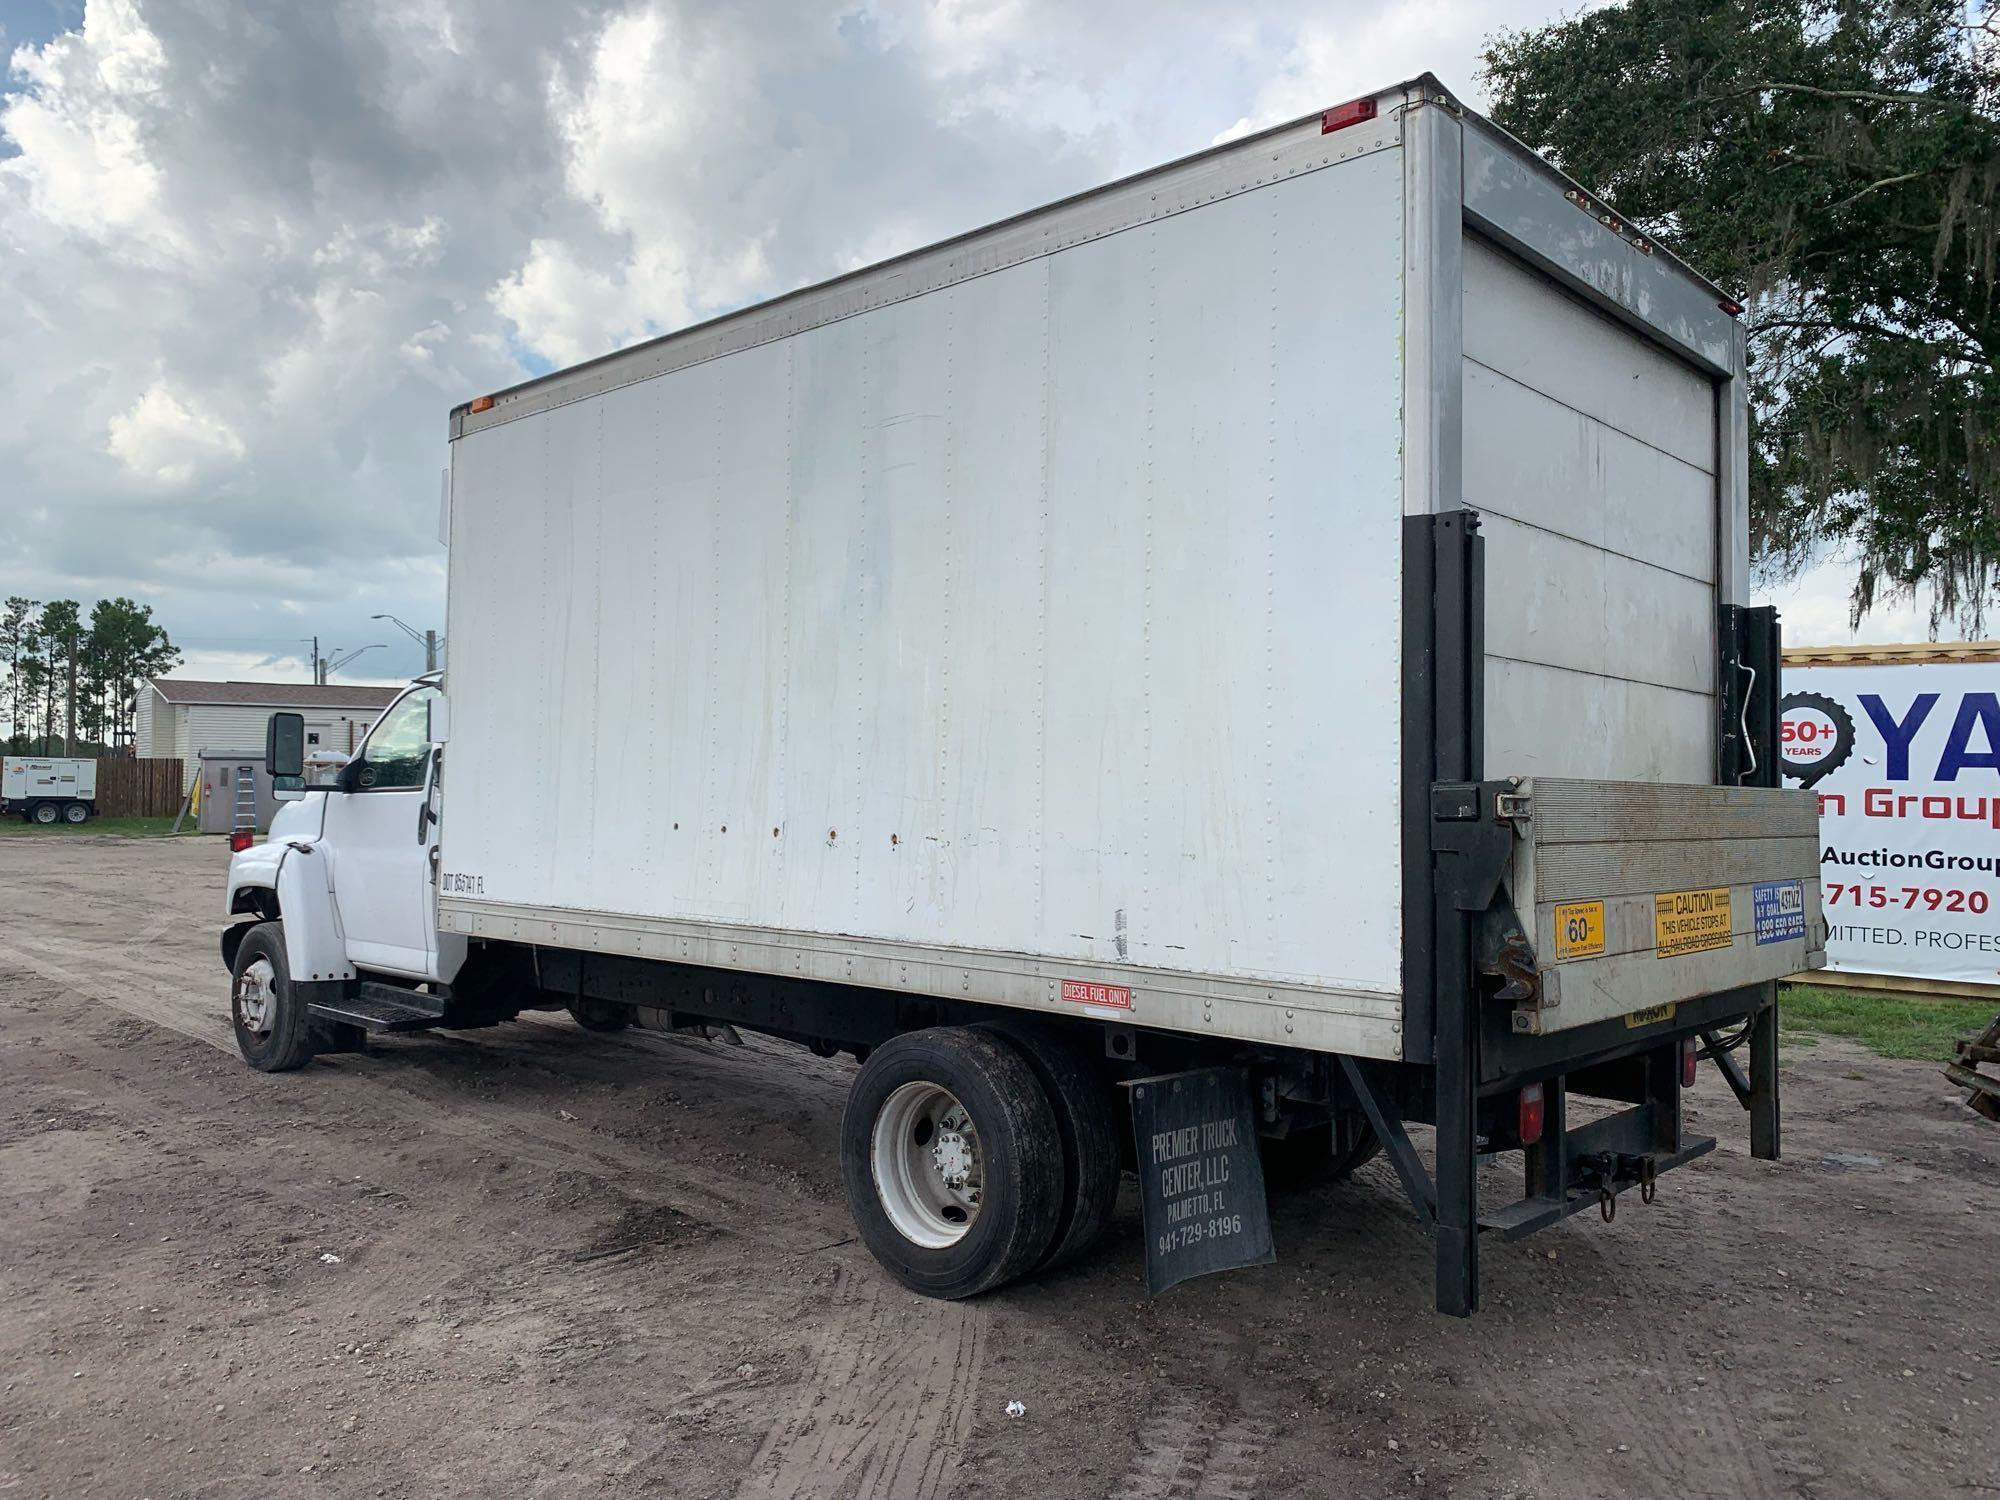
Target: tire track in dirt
[886,1402]
[162,999]
[1196,1449]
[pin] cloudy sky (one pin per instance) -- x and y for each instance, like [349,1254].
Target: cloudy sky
[251,254]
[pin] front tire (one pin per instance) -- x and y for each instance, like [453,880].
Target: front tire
[44,813]
[76,812]
[952,1160]
[265,1010]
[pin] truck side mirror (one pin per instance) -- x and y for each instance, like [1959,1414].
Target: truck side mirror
[285,745]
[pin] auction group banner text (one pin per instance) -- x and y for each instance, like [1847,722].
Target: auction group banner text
[1905,758]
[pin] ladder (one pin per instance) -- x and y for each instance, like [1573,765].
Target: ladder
[245,811]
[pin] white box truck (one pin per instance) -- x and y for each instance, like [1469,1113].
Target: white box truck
[48,789]
[1229,666]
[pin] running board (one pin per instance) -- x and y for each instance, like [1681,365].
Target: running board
[377,1008]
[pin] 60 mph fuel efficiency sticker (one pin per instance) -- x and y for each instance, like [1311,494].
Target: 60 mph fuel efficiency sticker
[1690,921]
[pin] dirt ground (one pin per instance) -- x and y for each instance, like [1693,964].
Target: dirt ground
[531,1261]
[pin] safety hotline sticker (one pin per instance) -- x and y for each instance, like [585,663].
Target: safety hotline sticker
[1779,910]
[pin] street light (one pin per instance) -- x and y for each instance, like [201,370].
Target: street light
[428,639]
[335,663]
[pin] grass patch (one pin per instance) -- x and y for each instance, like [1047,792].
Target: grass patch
[1885,1024]
[128,828]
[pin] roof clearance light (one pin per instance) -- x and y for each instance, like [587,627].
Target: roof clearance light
[482,403]
[1353,112]
[1734,309]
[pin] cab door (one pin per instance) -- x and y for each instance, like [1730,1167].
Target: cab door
[380,833]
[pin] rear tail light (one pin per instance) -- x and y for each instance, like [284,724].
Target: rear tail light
[240,840]
[1353,112]
[1531,1115]
[1689,1057]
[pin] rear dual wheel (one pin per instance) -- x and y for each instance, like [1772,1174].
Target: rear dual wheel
[958,1171]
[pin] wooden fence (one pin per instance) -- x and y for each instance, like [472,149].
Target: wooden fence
[146,788]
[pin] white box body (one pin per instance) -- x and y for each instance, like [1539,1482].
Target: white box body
[1022,620]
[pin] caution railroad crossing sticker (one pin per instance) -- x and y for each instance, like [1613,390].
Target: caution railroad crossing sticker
[1690,921]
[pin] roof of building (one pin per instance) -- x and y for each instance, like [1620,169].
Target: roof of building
[273,694]
[1883,656]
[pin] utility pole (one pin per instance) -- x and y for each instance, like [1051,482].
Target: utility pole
[430,650]
[316,677]
[69,724]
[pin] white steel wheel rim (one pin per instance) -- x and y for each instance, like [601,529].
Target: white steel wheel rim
[928,1166]
[256,994]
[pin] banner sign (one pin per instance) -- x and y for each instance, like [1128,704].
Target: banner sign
[1905,757]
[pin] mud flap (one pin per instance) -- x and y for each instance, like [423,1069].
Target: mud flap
[1201,1179]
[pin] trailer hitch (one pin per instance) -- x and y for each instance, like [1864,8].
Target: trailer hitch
[1610,1172]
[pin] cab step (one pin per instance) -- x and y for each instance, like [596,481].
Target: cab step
[377,1008]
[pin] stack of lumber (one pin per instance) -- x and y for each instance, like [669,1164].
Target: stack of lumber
[1978,1068]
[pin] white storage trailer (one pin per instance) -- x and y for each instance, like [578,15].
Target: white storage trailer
[48,789]
[1279,620]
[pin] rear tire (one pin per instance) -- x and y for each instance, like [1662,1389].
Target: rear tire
[265,1010]
[599,1015]
[952,1160]
[44,813]
[76,812]
[1088,1126]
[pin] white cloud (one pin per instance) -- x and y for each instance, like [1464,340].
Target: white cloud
[80,123]
[164,441]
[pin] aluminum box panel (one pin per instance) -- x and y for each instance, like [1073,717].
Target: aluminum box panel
[1014,629]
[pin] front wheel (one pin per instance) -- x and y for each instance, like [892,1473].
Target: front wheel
[265,1011]
[44,813]
[76,812]
[952,1161]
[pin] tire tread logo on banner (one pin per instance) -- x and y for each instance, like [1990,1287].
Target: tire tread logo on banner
[1816,738]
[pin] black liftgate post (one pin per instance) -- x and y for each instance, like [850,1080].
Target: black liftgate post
[1752,658]
[1759,661]
[1459,729]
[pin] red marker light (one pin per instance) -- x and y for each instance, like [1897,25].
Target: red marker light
[1353,112]
[1734,309]
[1531,1115]
[240,840]
[1688,1060]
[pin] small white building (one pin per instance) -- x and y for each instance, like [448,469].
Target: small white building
[183,716]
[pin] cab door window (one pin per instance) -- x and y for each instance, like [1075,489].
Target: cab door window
[398,751]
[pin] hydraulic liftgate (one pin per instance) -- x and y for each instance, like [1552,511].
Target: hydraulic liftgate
[1471,975]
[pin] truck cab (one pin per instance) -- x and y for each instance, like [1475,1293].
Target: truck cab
[349,869]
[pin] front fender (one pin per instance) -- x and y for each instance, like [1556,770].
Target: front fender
[254,870]
[315,943]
